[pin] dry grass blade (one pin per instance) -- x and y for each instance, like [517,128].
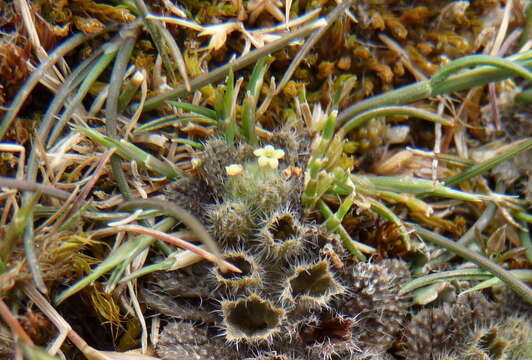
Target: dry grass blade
[183,216]
[64,328]
[222,71]
[13,323]
[311,41]
[180,243]
[37,75]
[29,186]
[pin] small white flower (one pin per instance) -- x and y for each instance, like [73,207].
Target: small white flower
[234,170]
[269,156]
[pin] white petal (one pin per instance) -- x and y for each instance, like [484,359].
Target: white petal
[259,152]
[273,163]
[264,161]
[278,154]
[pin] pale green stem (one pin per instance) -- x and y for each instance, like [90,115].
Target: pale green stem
[388,214]
[424,89]
[486,165]
[461,274]
[523,216]
[363,118]
[131,152]
[336,219]
[475,60]
[351,245]
[415,186]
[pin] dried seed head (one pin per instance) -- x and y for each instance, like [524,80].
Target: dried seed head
[248,280]
[230,221]
[251,319]
[281,235]
[510,338]
[435,332]
[374,293]
[184,340]
[326,336]
[325,329]
[311,286]
[429,334]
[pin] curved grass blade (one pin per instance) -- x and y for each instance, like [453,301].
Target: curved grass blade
[180,214]
[517,285]
[96,70]
[131,152]
[424,89]
[125,253]
[524,275]
[170,120]
[36,76]
[462,274]
[412,111]
[475,60]
[111,105]
[486,165]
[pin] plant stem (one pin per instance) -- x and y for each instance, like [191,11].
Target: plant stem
[412,111]
[36,76]
[220,72]
[111,107]
[517,285]
[423,89]
[486,165]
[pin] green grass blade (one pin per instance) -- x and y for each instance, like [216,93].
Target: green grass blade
[524,275]
[124,253]
[202,110]
[129,151]
[424,89]
[489,164]
[249,106]
[517,285]
[417,186]
[411,111]
[475,60]
[170,120]
[462,274]
[96,70]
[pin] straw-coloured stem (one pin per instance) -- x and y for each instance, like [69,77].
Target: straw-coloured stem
[222,71]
